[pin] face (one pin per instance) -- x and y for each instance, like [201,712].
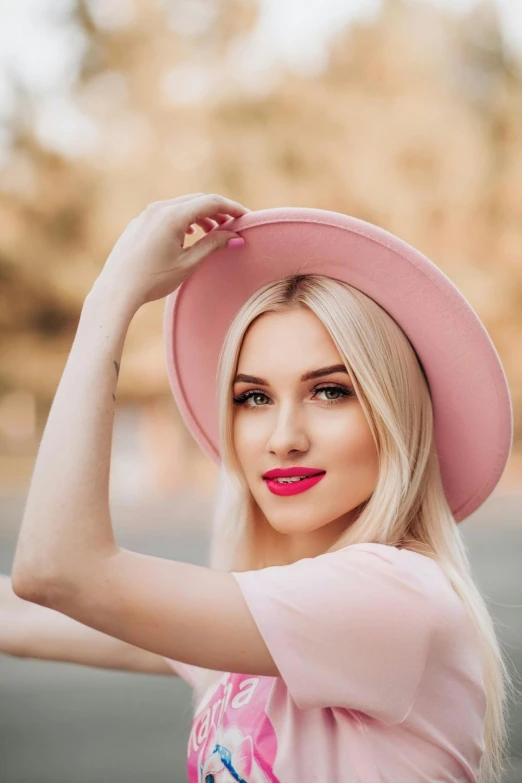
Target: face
[282,420]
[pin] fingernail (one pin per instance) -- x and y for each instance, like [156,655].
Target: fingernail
[235,242]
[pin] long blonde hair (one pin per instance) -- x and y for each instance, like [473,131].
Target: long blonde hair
[408,507]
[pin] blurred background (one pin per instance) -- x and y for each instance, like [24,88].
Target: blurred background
[407,114]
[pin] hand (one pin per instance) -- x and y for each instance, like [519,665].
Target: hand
[149,261]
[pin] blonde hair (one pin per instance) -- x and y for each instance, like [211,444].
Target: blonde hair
[408,507]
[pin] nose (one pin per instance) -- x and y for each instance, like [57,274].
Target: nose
[289,432]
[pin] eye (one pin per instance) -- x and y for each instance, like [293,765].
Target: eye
[343,391]
[209,778]
[336,389]
[249,395]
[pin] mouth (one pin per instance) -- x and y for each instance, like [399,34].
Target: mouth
[290,478]
[296,471]
[292,485]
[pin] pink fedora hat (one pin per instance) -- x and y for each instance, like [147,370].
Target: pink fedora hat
[472,405]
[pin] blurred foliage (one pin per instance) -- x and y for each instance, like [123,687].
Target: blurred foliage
[415,124]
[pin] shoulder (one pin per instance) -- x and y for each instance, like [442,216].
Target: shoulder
[387,559]
[424,576]
[391,559]
[405,560]
[383,582]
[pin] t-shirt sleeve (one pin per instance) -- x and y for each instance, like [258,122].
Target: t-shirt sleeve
[349,629]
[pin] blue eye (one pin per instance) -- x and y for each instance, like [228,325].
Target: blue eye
[342,390]
[209,778]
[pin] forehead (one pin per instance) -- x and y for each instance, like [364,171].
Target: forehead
[293,341]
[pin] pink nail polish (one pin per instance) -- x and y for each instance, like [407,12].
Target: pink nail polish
[235,242]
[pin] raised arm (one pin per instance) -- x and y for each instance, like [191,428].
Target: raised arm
[29,630]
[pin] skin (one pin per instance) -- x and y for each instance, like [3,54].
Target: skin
[291,423]
[67,557]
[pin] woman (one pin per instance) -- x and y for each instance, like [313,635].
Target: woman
[337,634]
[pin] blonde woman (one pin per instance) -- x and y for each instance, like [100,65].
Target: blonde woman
[358,411]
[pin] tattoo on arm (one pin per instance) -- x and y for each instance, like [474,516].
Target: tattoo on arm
[117,368]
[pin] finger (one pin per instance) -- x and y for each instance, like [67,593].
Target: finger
[217,221]
[206,245]
[200,209]
[206,224]
[219,218]
[211,205]
[185,198]
[180,199]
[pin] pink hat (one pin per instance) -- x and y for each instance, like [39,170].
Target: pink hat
[472,406]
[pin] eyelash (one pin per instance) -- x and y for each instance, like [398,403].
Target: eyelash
[242,398]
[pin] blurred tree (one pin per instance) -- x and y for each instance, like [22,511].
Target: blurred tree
[415,124]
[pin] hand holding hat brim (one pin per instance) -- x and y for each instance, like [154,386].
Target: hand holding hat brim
[472,406]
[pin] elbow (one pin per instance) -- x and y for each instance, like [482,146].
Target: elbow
[28,586]
[33,578]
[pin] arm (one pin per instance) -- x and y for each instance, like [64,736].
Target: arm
[66,557]
[66,526]
[31,631]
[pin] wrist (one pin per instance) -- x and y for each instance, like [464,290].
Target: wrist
[112,297]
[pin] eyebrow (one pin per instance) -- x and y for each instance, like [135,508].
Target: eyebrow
[241,378]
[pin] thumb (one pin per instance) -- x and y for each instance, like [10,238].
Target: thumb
[214,240]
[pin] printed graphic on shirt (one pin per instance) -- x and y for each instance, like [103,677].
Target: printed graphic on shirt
[231,739]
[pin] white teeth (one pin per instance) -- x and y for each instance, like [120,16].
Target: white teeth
[290,480]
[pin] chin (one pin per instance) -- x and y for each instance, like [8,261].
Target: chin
[293,524]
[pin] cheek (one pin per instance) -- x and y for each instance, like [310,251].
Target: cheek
[247,438]
[354,442]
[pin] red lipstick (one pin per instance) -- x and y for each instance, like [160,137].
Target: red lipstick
[312,477]
[298,470]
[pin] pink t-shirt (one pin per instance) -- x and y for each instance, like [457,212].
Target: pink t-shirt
[381,679]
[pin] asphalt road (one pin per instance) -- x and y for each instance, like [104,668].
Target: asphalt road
[62,723]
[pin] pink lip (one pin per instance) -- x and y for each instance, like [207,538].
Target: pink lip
[297,470]
[293,488]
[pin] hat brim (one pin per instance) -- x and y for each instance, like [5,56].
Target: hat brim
[473,415]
